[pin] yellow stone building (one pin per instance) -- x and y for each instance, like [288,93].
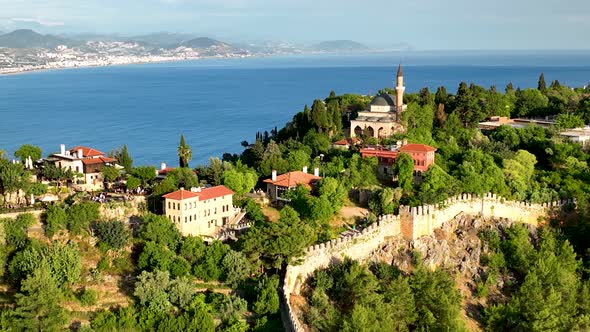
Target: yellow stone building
[202,211]
[383,116]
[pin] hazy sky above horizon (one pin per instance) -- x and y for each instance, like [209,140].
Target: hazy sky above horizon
[424,24]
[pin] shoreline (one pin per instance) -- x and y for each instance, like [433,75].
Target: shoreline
[57,66]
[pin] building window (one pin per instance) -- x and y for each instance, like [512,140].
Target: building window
[190,218]
[168,205]
[185,219]
[215,211]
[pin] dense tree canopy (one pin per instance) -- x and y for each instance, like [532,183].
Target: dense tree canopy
[28,150]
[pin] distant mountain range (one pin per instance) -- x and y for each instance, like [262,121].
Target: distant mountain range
[161,41]
[340,46]
[26,38]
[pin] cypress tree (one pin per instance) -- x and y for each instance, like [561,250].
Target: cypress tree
[542,86]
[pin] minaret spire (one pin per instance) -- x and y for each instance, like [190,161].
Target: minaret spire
[400,88]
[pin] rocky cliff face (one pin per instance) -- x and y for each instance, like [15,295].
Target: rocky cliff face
[455,246]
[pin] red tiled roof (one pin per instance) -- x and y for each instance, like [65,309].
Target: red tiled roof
[87,152]
[341,142]
[369,152]
[99,160]
[347,141]
[203,195]
[292,179]
[165,170]
[181,194]
[214,192]
[416,148]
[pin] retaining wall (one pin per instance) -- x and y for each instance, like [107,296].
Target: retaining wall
[411,223]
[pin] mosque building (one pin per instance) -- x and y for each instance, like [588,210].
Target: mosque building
[383,115]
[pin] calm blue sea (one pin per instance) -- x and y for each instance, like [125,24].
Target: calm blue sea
[218,103]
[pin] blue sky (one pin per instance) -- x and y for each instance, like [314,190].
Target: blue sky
[424,24]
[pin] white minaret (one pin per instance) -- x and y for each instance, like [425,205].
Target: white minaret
[399,89]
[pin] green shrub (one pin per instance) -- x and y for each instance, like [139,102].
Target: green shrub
[103,264]
[87,297]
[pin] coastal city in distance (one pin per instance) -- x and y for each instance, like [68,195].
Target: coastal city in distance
[26,50]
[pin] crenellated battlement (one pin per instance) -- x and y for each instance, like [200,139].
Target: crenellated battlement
[411,223]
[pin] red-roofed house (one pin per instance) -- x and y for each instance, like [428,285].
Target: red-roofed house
[276,185]
[86,161]
[161,173]
[423,156]
[345,144]
[201,211]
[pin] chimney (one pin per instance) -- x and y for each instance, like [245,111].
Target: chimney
[80,153]
[305,169]
[181,188]
[162,166]
[274,175]
[404,142]
[62,149]
[316,171]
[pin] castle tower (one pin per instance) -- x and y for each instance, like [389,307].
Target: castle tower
[400,88]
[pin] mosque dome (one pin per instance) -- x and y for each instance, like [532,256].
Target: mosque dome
[383,100]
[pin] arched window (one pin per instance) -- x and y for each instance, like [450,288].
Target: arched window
[358,131]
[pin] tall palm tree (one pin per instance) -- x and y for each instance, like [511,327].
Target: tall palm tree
[184,153]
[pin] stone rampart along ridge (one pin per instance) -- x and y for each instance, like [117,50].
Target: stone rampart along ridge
[411,223]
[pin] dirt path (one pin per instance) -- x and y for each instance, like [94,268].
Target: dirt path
[353,212]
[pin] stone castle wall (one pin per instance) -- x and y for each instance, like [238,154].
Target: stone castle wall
[411,223]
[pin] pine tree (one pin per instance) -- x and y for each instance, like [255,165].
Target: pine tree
[124,158]
[425,97]
[542,86]
[441,95]
[184,153]
[509,88]
[37,306]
